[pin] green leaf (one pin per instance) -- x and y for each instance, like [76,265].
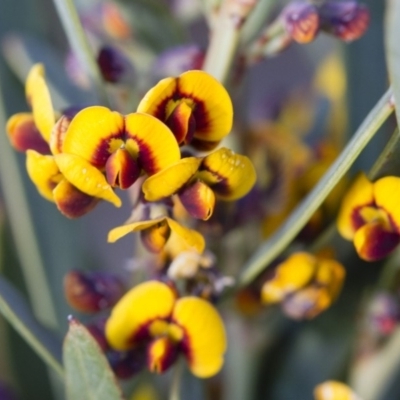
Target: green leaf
[392,35]
[18,314]
[88,374]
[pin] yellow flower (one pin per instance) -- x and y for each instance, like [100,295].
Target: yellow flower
[198,181]
[195,106]
[332,390]
[157,232]
[150,312]
[370,217]
[121,146]
[304,284]
[41,137]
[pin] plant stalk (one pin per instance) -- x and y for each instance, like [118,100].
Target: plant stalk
[80,46]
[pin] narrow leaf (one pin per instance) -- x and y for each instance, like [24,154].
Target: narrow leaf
[392,35]
[88,374]
[18,314]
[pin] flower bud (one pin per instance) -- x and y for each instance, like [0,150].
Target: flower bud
[301,21]
[92,291]
[346,20]
[115,65]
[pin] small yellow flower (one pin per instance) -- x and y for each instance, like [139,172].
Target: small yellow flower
[121,146]
[198,181]
[195,106]
[41,137]
[151,313]
[370,217]
[333,390]
[158,232]
[304,284]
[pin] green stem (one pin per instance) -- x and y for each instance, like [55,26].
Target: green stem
[225,38]
[270,249]
[222,49]
[79,44]
[174,394]
[23,231]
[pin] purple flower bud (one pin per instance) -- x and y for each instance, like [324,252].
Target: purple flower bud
[92,291]
[346,20]
[301,21]
[115,65]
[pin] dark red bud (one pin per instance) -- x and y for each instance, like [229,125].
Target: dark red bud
[92,291]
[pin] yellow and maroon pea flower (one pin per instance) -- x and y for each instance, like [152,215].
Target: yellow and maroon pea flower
[370,217]
[92,291]
[333,390]
[199,181]
[40,137]
[195,106]
[347,20]
[150,312]
[157,232]
[301,21]
[121,146]
[304,284]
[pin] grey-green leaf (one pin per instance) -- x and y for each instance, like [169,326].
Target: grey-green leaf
[16,311]
[88,374]
[392,35]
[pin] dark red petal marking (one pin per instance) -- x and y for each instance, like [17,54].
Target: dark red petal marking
[380,244]
[121,169]
[198,200]
[76,204]
[27,137]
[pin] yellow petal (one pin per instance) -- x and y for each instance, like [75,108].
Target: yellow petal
[192,239]
[38,96]
[204,333]
[387,192]
[155,100]
[168,181]
[231,176]
[360,194]
[333,390]
[291,275]
[44,172]
[155,236]
[93,134]
[156,145]
[143,304]
[373,242]
[86,178]
[120,231]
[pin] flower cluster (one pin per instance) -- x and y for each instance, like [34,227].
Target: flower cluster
[79,157]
